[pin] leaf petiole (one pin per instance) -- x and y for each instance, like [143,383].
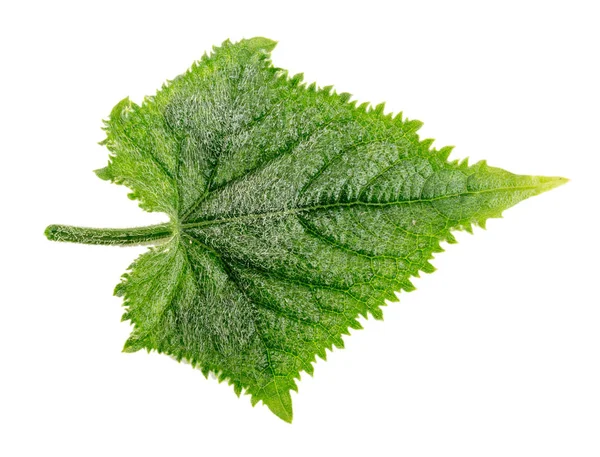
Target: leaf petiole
[109,236]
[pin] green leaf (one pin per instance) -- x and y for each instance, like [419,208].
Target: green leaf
[292,213]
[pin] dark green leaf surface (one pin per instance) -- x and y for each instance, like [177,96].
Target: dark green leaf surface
[293,212]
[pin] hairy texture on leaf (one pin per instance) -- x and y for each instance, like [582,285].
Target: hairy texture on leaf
[293,212]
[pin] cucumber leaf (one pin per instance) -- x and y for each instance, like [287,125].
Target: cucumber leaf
[293,211]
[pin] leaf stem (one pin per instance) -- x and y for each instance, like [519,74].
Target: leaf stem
[109,236]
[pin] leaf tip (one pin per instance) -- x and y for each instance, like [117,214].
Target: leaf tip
[104,174]
[284,414]
[278,399]
[260,42]
[546,183]
[131,345]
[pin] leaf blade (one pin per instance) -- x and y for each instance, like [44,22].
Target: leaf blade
[294,213]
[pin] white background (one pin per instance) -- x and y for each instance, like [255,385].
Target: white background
[495,354]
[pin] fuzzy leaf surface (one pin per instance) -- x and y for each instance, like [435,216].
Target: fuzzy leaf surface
[294,212]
